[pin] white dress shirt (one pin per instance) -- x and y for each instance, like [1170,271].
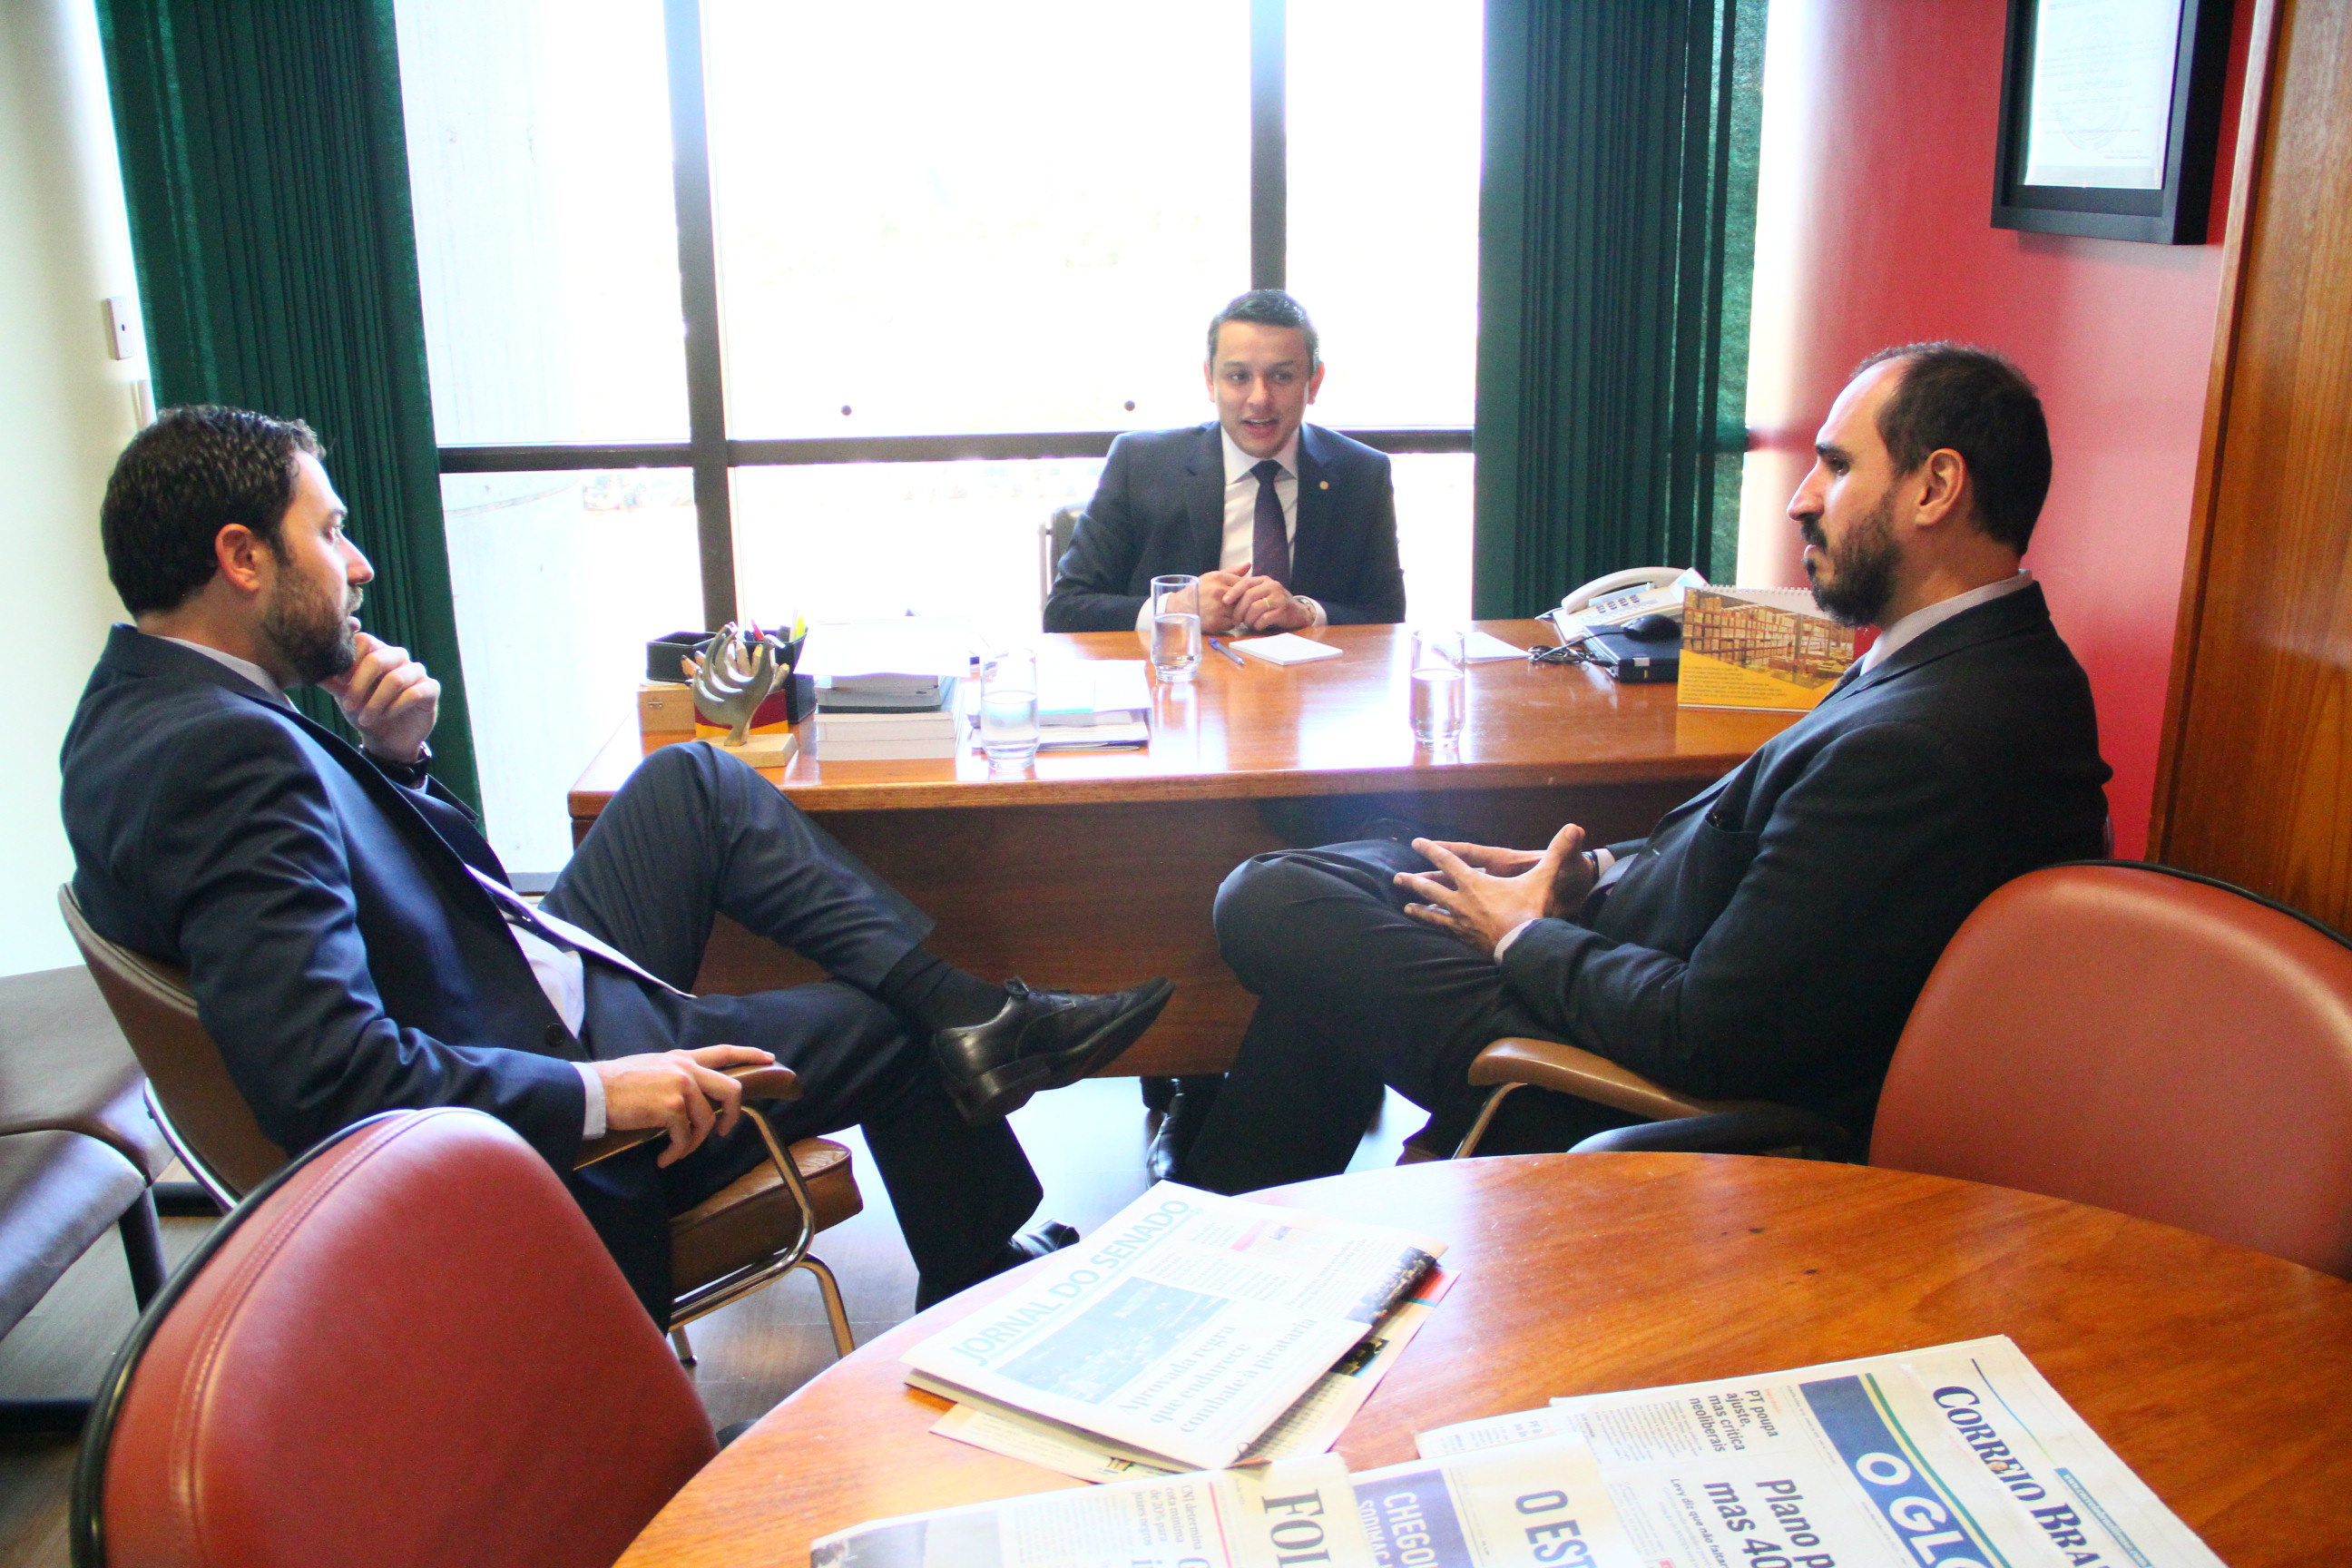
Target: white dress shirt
[1909,629]
[559,971]
[1239,544]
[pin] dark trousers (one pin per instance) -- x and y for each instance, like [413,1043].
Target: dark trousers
[1353,993]
[693,833]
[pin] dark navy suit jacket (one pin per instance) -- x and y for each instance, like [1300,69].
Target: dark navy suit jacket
[1160,509]
[338,950]
[1772,934]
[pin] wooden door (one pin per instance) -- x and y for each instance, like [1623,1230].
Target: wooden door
[2255,784]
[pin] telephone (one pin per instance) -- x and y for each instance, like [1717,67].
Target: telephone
[1613,600]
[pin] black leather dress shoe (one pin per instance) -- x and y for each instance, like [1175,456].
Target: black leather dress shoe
[1040,1039]
[1180,1125]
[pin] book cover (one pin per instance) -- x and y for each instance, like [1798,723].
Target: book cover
[1759,647]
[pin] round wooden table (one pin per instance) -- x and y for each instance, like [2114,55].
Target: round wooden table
[2222,1376]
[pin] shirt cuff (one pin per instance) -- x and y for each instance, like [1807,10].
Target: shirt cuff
[1512,935]
[592,1126]
[1322,617]
[1143,620]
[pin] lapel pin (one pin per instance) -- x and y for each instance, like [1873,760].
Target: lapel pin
[1324,485]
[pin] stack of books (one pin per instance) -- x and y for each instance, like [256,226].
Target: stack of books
[886,718]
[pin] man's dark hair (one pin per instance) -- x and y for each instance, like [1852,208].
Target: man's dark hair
[1268,308]
[1974,402]
[182,480]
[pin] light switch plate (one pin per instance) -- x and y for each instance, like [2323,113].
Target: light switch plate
[123,326]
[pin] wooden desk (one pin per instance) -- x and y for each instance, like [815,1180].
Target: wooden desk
[2216,1372]
[1115,882]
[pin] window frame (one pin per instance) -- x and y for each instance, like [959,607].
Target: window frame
[712,455]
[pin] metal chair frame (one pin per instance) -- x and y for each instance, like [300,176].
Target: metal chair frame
[699,1302]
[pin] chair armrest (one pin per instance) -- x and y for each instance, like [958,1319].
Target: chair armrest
[1566,1069]
[759,1083]
[1756,1130]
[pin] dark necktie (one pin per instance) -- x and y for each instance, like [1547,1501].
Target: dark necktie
[1269,541]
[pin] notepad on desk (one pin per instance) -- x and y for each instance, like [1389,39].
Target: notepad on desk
[1482,648]
[1283,647]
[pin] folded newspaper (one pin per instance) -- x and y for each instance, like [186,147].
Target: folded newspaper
[1534,1505]
[1958,1456]
[1183,1329]
[1309,1426]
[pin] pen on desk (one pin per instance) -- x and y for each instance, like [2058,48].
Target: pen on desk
[1227,652]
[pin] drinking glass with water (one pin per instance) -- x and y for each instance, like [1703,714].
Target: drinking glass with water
[1438,687]
[1175,627]
[1008,709]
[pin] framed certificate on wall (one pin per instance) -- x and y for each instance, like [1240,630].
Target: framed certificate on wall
[2109,113]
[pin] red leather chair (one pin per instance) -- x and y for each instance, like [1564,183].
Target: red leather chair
[407,1347]
[2114,1033]
[2145,1040]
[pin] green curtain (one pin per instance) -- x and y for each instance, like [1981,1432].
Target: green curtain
[266,172]
[1617,221]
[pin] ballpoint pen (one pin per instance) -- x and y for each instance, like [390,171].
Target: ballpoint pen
[1229,652]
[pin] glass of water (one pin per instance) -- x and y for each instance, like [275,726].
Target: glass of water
[1438,687]
[1008,709]
[1175,627]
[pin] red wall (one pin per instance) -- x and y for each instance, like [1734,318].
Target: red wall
[1890,107]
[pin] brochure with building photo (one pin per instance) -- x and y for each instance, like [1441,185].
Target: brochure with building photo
[1759,647]
[1183,1329]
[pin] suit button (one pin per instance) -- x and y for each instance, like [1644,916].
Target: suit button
[559,1038]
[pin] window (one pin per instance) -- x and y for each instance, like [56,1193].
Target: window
[766,308]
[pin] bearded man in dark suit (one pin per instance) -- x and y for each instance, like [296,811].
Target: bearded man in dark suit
[354,946]
[1767,939]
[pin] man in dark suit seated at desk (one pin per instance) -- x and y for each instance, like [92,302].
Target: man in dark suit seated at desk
[1287,524]
[1768,940]
[354,946]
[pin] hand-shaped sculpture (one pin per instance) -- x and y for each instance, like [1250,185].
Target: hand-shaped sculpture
[730,682]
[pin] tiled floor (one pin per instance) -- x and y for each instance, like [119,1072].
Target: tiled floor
[1086,1142]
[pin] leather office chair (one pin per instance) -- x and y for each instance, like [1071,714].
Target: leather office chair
[1054,536]
[78,1152]
[743,1236]
[406,1347]
[2126,1036]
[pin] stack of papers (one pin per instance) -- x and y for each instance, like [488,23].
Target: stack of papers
[1099,692]
[1099,704]
[1181,1334]
[863,653]
[1283,647]
[1953,1454]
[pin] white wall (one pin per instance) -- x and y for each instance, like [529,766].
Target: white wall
[66,409]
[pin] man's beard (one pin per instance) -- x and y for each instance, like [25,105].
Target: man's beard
[1862,582]
[311,634]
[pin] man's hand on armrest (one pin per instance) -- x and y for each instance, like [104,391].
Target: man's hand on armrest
[683,1093]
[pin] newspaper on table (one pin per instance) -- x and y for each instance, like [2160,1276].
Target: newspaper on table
[1958,1456]
[1299,1513]
[1309,1426]
[1183,1329]
[1540,1504]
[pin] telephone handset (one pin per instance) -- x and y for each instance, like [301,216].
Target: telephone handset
[1613,600]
